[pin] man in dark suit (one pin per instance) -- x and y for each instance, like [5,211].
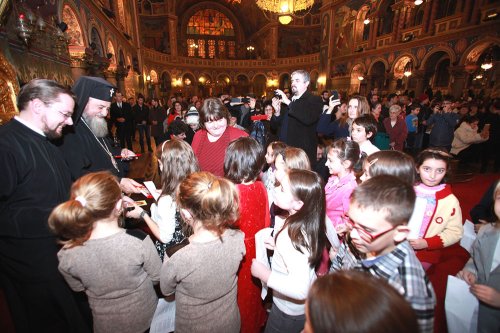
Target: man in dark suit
[298,117]
[121,116]
[141,115]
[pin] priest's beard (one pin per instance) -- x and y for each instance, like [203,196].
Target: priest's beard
[51,133]
[97,125]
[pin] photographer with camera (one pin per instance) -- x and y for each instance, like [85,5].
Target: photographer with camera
[298,117]
[443,122]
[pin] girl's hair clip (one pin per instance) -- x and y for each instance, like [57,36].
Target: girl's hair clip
[81,200]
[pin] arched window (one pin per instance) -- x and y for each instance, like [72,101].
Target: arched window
[446,8]
[442,73]
[210,34]
[95,42]
[366,31]
[386,18]
[419,16]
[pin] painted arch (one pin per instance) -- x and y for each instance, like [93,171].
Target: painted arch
[75,31]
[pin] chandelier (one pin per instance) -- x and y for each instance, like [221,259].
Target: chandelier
[285,9]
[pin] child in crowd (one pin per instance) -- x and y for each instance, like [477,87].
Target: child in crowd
[395,128]
[437,217]
[242,165]
[115,267]
[351,301]
[298,250]
[482,271]
[389,162]
[436,226]
[321,152]
[341,158]
[412,126]
[290,158]
[364,129]
[379,211]
[176,161]
[203,273]
[273,149]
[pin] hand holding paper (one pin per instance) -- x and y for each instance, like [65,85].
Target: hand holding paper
[486,294]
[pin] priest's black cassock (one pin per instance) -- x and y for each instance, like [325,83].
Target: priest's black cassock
[34,179]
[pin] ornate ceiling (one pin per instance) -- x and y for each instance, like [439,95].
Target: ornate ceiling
[250,16]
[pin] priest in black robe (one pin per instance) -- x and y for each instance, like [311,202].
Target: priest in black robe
[86,145]
[34,179]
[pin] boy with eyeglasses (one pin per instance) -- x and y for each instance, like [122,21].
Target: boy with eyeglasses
[379,212]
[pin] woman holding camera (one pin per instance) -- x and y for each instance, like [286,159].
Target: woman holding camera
[210,142]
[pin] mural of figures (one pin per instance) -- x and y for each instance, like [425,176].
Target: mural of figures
[344,28]
[74,30]
[325,26]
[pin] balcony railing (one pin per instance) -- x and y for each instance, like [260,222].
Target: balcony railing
[152,56]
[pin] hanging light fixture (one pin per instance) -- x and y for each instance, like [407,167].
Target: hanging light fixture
[418,2]
[285,10]
[488,61]
[408,68]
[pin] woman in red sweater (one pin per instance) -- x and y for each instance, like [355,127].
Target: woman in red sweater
[210,142]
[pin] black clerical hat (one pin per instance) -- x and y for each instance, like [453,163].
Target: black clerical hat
[89,86]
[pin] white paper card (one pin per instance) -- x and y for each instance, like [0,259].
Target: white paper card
[469,236]
[152,189]
[461,307]
[261,253]
[164,317]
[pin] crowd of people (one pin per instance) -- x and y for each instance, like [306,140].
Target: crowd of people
[288,214]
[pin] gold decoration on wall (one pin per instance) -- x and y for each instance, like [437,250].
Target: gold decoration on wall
[9,88]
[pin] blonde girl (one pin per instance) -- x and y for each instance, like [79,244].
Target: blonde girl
[116,268]
[203,274]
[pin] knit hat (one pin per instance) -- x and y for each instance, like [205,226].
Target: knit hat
[423,97]
[192,116]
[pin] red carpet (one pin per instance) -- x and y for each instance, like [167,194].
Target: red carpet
[469,193]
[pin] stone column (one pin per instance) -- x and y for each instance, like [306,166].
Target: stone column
[172,34]
[476,12]
[109,75]
[467,12]
[391,87]
[426,18]
[418,75]
[273,32]
[395,23]
[328,45]
[458,80]
[372,39]
[431,28]
[401,23]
